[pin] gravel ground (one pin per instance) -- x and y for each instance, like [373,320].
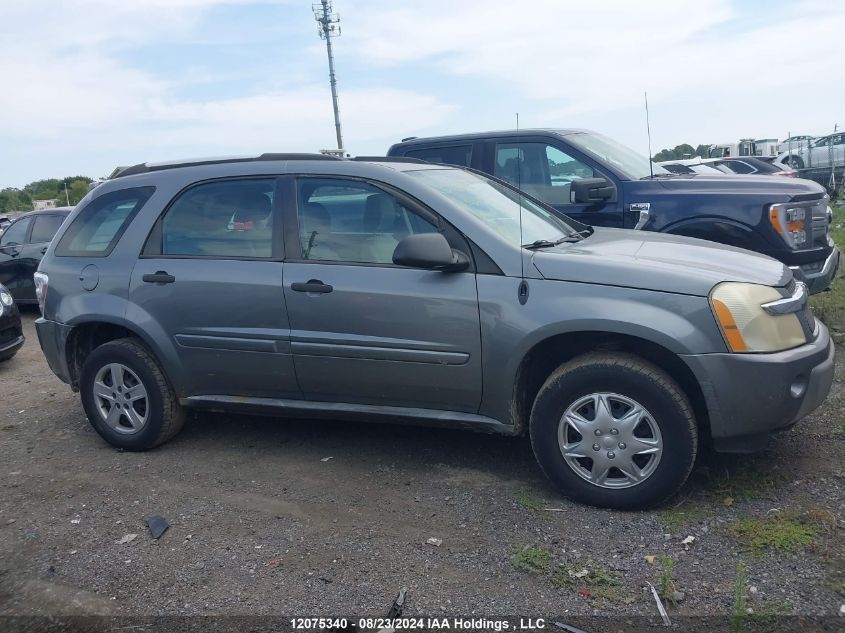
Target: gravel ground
[262,523]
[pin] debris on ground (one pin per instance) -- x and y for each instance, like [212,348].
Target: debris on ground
[398,605]
[660,608]
[567,627]
[326,459]
[437,542]
[585,592]
[650,559]
[157,525]
[554,509]
[127,539]
[687,541]
[75,521]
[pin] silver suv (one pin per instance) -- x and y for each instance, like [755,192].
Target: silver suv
[400,291]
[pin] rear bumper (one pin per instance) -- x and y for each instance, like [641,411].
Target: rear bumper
[751,396]
[53,339]
[818,275]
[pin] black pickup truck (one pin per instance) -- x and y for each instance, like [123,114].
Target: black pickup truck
[596,180]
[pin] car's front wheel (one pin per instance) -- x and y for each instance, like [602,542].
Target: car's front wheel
[613,430]
[127,398]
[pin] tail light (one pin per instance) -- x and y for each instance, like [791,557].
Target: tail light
[41,283]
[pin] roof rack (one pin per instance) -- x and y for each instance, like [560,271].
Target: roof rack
[388,159]
[143,168]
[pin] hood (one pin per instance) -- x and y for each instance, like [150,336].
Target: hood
[657,261]
[784,189]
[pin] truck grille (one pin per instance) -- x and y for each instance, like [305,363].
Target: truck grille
[820,225]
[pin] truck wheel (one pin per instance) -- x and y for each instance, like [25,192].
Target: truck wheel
[127,398]
[795,162]
[613,430]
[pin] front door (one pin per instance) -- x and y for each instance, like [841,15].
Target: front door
[13,259]
[211,277]
[546,171]
[364,331]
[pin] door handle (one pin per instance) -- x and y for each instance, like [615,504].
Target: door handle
[312,285]
[159,277]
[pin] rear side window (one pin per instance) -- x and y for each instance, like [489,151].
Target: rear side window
[460,155]
[16,233]
[45,228]
[223,219]
[96,230]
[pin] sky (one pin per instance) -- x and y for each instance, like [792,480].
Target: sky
[91,84]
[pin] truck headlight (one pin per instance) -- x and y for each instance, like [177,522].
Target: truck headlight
[747,326]
[790,222]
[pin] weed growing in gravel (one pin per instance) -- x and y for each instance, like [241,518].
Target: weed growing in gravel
[747,483]
[678,518]
[534,560]
[840,428]
[740,599]
[570,578]
[781,532]
[530,500]
[665,584]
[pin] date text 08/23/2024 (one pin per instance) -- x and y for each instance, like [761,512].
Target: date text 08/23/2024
[420,623]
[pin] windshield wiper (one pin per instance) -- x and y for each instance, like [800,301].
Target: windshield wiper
[574,237]
[670,175]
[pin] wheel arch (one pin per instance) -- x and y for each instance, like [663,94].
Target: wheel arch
[548,354]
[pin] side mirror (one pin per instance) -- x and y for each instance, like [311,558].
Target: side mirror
[430,251]
[590,190]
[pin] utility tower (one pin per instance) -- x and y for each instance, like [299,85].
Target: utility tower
[328,26]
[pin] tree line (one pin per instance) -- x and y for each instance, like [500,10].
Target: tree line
[14,199]
[679,152]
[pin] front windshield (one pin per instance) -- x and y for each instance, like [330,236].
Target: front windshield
[495,205]
[633,165]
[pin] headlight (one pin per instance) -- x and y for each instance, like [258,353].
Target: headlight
[790,222]
[749,327]
[5,299]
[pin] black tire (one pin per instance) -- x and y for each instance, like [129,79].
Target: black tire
[631,377]
[165,416]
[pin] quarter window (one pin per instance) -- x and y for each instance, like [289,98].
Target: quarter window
[350,221]
[221,219]
[95,231]
[460,155]
[16,233]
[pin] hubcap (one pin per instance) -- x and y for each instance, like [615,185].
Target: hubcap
[610,440]
[121,398]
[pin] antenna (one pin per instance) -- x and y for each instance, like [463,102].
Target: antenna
[648,131]
[517,121]
[328,26]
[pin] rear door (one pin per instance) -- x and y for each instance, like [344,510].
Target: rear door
[12,266]
[44,227]
[211,277]
[363,330]
[546,170]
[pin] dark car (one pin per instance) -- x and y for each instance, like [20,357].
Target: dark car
[4,223]
[600,182]
[748,165]
[11,332]
[22,245]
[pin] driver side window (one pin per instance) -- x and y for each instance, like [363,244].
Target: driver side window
[542,170]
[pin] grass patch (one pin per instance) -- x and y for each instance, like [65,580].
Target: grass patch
[533,560]
[829,307]
[571,578]
[530,500]
[675,519]
[740,607]
[746,483]
[780,532]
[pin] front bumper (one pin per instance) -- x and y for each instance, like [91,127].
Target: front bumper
[751,396]
[818,275]
[53,339]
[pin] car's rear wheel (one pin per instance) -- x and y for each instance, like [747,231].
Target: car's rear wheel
[796,163]
[127,398]
[613,430]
